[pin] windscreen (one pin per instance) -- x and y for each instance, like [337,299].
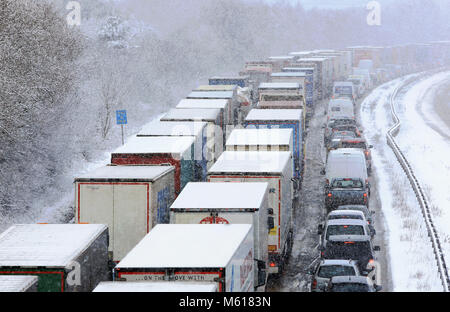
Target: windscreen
[346,183]
[348,250]
[328,271]
[345,216]
[344,230]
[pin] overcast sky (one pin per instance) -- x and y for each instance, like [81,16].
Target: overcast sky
[332,4]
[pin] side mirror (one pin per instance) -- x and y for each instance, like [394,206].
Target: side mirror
[372,231]
[372,212]
[320,229]
[376,248]
[324,126]
[322,172]
[270,211]
[370,146]
[378,288]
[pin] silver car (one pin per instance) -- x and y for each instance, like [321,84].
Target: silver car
[326,269]
[367,213]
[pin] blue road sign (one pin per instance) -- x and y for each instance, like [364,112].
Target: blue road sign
[121,117]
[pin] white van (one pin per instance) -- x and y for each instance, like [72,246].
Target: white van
[338,108]
[346,162]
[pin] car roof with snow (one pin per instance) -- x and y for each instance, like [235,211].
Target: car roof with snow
[194,114]
[46,245]
[221,195]
[253,136]
[156,145]
[187,246]
[132,173]
[167,286]
[324,262]
[174,128]
[274,115]
[251,162]
[203,103]
[346,212]
[346,222]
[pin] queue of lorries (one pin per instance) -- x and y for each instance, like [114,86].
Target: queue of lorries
[203,198]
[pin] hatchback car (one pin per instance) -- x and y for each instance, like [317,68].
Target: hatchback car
[367,213]
[326,269]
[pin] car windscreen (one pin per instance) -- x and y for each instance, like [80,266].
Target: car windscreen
[341,122]
[354,145]
[348,250]
[328,271]
[350,287]
[345,216]
[335,109]
[346,183]
[344,230]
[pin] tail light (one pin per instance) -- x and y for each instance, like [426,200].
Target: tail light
[314,284]
[272,264]
[322,253]
[367,153]
[329,195]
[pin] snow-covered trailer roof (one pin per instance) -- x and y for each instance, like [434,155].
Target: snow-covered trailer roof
[46,245]
[301,53]
[274,115]
[203,103]
[260,137]
[220,195]
[155,287]
[181,128]
[300,68]
[16,283]
[187,246]
[279,85]
[290,74]
[194,114]
[156,145]
[281,58]
[211,95]
[228,87]
[250,162]
[133,173]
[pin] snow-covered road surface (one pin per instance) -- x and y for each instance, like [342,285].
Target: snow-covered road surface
[411,258]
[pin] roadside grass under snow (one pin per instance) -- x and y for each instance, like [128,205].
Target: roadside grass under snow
[427,150]
[411,258]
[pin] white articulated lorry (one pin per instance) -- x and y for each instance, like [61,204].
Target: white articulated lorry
[129,199]
[229,203]
[219,253]
[276,169]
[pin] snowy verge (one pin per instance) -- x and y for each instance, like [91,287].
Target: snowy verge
[427,150]
[411,257]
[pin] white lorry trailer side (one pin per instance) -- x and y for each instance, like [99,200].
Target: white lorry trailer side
[131,200]
[228,203]
[276,169]
[219,253]
[155,287]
